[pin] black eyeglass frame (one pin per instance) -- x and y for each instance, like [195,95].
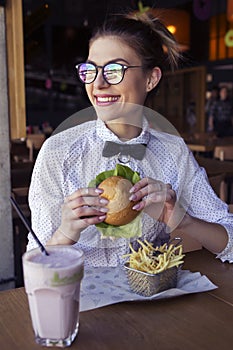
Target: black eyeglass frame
[124,67]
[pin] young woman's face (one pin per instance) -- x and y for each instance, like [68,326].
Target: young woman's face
[132,89]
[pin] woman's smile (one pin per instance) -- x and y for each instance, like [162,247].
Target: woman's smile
[105,99]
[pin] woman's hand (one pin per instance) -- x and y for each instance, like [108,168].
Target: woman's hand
[156,198]
[82,208]
[159,201]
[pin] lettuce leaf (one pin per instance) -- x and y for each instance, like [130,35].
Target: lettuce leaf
[120,170]
[130,230]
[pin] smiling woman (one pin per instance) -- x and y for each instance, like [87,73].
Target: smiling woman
[126,59]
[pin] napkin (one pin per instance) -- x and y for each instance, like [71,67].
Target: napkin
[102,286]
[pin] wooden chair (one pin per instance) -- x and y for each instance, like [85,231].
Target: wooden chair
[219,185]
[19,151]
[223,152]
[21,174]
[34,143]
[20,194]
[20,182]
[20,233]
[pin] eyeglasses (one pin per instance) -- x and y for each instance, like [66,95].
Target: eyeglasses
[113,73]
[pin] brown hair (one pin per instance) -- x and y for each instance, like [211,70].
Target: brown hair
[148,36]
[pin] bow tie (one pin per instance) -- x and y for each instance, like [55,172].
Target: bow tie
[136,150]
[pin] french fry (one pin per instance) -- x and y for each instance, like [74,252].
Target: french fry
[154,259]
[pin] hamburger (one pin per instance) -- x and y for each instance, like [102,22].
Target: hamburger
[116,189]
[121,220]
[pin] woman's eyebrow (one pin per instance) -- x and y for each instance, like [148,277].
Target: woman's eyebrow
[119,59]
[114,60]
[90,61]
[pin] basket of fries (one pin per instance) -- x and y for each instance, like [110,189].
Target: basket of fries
[151,270]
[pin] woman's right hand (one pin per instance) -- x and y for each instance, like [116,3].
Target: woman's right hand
[82,208]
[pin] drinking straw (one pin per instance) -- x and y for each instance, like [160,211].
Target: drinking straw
[27,225]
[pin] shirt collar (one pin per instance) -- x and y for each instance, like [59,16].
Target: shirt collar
[107,135]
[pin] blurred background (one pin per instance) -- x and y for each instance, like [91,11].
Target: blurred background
[56,34]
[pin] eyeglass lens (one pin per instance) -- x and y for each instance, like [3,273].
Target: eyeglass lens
[112,72]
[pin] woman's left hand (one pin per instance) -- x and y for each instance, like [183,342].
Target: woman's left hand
[155,198]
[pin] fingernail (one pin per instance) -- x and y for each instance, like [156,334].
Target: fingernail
[133,197]
[102,217]
[136,207]
[132,189]
[104,210]
[103,201]
[98,190]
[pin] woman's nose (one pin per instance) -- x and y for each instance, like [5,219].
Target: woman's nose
[99,80]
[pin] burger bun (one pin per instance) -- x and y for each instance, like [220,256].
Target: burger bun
[116,190]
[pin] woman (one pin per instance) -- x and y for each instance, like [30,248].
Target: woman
[125,63]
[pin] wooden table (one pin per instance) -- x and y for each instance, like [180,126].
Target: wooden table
[215,167]
[205,142]
[202,321]
[201,147]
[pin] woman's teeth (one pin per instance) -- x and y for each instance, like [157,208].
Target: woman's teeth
[107,99]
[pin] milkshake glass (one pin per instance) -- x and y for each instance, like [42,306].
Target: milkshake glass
[52,285]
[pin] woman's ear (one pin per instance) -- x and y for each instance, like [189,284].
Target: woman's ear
[154,78]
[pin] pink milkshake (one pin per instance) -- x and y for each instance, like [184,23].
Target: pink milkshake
[52,284]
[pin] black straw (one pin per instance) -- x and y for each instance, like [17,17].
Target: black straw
[27,225]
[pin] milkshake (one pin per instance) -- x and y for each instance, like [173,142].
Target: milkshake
[52,284]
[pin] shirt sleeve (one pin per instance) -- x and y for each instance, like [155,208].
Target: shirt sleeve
[45,193]
[202,202]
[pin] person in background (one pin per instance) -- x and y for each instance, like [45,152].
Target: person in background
[221,114]
[126,60]
[214,96]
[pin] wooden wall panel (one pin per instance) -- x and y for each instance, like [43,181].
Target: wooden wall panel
[176,91]
[15,62]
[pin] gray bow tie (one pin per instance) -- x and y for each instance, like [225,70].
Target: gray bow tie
[136,150]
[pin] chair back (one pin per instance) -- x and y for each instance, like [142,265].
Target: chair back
[34,142]
[219,185]
[224,152]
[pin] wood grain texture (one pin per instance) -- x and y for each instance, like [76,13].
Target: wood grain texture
[15,63]
[195,321]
